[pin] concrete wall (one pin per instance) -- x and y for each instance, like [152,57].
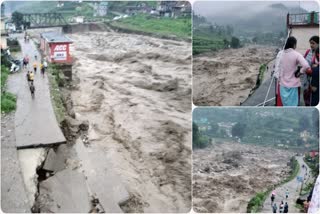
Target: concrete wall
[303,34]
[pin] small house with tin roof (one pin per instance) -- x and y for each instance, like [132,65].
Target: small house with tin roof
[56,47]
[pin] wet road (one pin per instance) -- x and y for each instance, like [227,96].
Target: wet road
[35,121]
[294,189]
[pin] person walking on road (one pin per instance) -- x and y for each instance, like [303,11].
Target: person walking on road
[287,194]
[35,67]
[274,208]
[30,77]
[286,208]
[42,69]
[25,61]
[32,89]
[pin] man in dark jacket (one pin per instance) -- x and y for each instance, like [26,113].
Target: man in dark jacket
[286,208]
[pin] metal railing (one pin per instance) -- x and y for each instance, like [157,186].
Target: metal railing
[303,19]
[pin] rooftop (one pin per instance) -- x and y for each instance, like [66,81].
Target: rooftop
[55,37]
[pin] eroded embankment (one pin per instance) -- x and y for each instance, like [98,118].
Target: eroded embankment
[227,175]
[135,92]
[227,77]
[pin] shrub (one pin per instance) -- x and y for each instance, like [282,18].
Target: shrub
[4,76]
[235,42]
[8,102]
[256,202]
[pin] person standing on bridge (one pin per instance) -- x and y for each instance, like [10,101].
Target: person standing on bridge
[310,56]
[289,83]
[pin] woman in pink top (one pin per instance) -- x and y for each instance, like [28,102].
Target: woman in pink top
[289,83]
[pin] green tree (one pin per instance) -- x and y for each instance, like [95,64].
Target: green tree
[225,42]
[235,42]
[198,139]
[17,19]
[238,130]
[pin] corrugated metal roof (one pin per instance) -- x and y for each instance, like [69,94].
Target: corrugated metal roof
[55,37]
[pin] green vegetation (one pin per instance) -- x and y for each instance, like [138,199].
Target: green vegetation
[4,76]
[300,207]
[55,80]
[294,171]
[235,42]
[33,6]
[202,43]
[307,188]
[269,38]
[17,19]
[8,100]
[262,70]
[180,27]
[198,139]
[276,128]
[121,5]
[14,45]
[69,8]
[208,37]
[313,163]
[256,203]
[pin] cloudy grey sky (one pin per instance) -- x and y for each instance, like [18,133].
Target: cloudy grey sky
[207,8]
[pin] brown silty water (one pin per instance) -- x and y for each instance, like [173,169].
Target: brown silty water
[135,91]
[227,175]
[226,78]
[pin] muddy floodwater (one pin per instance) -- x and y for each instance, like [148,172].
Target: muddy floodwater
[135,91]
[227,175]
[226,78]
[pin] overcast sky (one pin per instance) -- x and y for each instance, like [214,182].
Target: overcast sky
[206,8]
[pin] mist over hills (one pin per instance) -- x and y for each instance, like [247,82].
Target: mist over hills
[248,18]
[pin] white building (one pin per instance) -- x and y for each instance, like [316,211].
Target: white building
[101,9]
